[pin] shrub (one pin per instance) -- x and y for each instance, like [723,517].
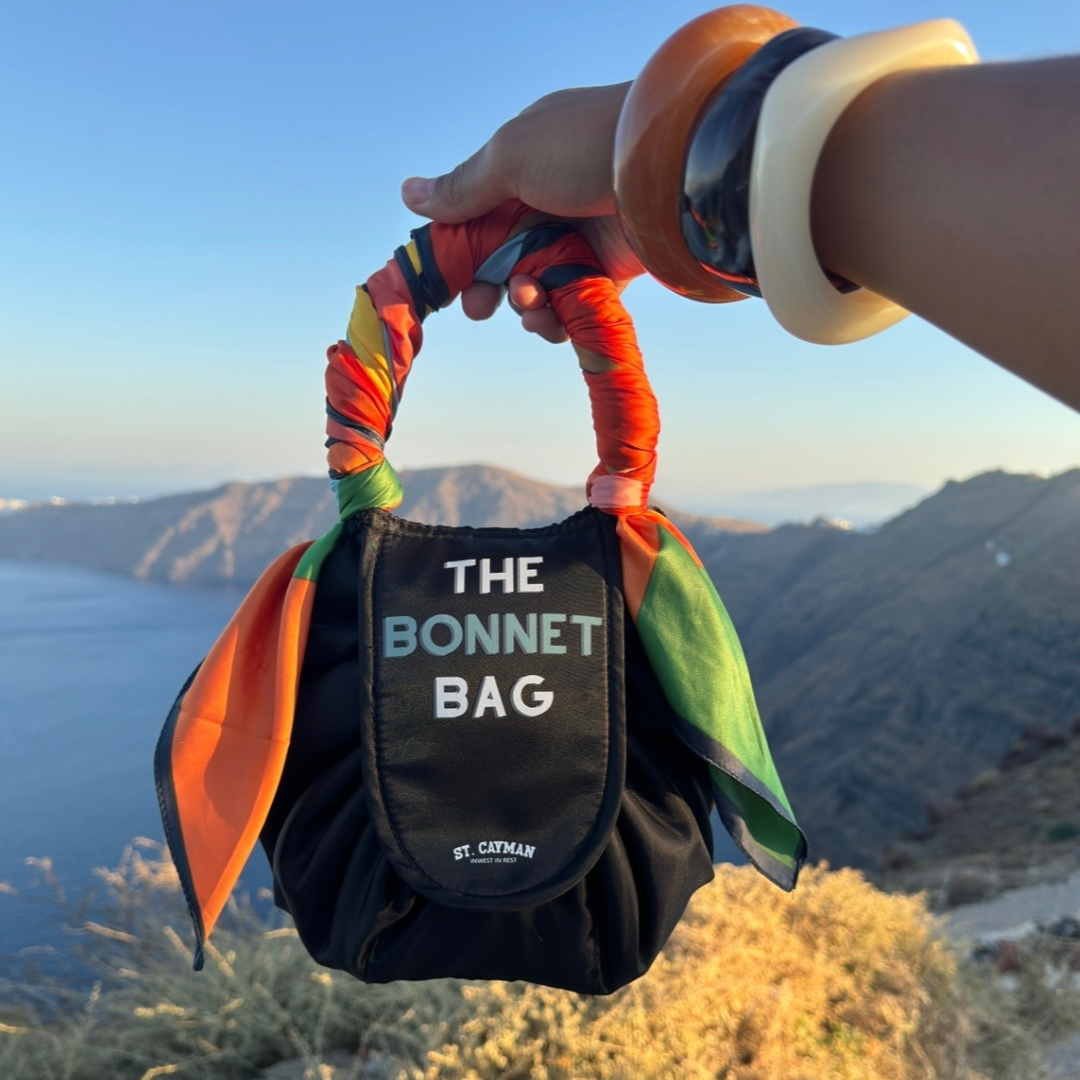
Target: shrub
[970,885]
[260,999]
[835,981]
[1062,830]
[985,780]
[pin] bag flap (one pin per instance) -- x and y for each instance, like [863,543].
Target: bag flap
[493,704]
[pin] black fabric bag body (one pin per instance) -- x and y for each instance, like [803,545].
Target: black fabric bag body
[484,779]
[479,753]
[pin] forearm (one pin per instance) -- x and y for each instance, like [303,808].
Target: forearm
[956,193]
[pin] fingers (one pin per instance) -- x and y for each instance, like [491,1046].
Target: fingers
[545,323]
[555,156]
[528,299]
[527,293]
[481,300]
[470,190]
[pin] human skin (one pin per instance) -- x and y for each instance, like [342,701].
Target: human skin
[953,191]
[556,155]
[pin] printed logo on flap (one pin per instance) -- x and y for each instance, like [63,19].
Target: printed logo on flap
[492,703]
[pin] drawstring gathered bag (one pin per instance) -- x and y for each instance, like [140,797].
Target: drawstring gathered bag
[484,753]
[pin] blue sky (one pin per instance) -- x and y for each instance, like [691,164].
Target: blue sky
[190,191]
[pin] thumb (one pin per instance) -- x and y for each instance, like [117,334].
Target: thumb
[468,191]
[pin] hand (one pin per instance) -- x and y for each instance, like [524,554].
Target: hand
[555,156]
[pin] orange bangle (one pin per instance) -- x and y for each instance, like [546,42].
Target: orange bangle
[654,131]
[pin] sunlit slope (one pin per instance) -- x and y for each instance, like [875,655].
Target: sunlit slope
[900,664]
[230,534]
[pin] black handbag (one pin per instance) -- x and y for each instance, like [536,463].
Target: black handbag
[478,752]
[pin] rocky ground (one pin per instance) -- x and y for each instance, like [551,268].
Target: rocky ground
[1032,928]
[1001,862]
[1014,825]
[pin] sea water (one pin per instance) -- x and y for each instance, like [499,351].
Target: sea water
[90,664]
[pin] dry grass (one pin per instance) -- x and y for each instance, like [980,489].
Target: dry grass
[837,981]
[260,999]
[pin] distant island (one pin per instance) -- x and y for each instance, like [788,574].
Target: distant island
[231,533]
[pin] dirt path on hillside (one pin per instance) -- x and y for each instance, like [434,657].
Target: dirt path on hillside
[1014,912]
[1033,903]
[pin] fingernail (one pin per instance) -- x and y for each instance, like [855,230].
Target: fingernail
[417,190]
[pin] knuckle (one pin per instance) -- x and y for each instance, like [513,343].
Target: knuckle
[450,185]
[503,153]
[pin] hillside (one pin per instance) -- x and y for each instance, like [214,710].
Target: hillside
[890,667]
[232,533]
[1014,824]
[900,664]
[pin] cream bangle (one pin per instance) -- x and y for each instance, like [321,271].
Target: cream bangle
[799,111]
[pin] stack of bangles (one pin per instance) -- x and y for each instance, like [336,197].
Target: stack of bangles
[716,150]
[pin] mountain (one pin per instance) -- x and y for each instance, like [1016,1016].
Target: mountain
[227,535]
[889,667]
[1012,825]
[231,534]
[894,666]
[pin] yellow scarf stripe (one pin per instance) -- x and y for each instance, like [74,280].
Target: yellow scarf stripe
[365,336]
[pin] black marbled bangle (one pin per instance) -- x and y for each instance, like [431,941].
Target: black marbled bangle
[716,181]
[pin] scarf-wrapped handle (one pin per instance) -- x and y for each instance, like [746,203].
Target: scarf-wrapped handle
[367,371]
